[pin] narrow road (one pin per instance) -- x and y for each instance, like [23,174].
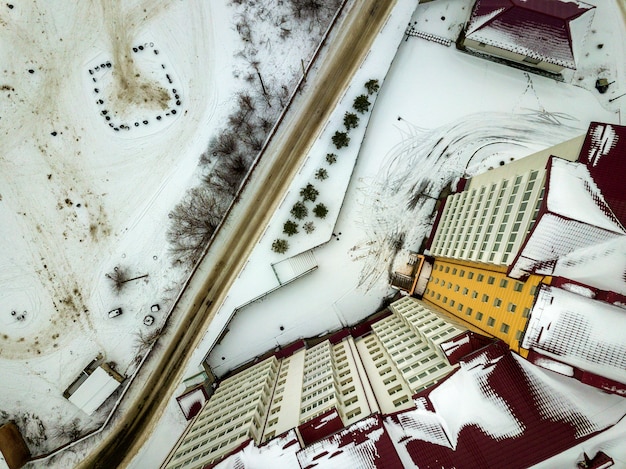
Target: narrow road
[244,227]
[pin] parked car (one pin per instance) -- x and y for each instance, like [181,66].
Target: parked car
[115,312]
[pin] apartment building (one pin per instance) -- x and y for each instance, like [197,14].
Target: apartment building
[495,304]
[354,373]
[233,415]
[488,221]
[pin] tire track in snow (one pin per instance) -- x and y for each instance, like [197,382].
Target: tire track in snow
[398,203]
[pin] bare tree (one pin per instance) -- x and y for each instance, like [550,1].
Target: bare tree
[145,340]
[193,222]
[119,276]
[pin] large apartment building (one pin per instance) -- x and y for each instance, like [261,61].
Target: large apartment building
[488,221]
[500,237]
[373,368]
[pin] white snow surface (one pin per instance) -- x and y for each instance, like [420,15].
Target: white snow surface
[554,365]
[331,453]
[480,407]
[96,389]
[578,331]
[601,265]
[574,194]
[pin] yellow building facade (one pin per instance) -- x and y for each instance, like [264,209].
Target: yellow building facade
[486,298]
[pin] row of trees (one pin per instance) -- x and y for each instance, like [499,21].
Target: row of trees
[340,139]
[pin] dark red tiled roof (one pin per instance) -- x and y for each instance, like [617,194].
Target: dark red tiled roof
[535,28]
[363,445]
[604,153]
[535,401]
[321,426]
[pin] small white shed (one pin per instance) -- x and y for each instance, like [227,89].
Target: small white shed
[96,389]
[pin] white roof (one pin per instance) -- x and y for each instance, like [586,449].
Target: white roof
[94,391]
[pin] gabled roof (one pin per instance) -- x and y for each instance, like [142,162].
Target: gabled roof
[604,153]
[500,411]
[535,28]
[573,216]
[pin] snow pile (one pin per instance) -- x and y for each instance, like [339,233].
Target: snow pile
[554,365]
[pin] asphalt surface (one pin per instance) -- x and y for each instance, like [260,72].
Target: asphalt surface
[244,226]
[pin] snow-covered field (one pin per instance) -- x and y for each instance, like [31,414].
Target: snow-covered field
[78,198]
[105,112]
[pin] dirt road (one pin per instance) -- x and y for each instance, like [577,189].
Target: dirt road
[245,225]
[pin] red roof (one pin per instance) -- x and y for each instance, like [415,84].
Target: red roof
[547,411]
[320,427]
[363,445]
[604,153]
[535,28]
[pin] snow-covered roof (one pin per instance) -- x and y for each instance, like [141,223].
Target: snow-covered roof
[191,402]
[363,445]
[278,453]
[498,410]
[572,193]
[604,153]
[96,389]
[600,265]
[573,215]
[579,331]
[535,28]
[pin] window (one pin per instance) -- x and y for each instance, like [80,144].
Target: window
[460,307]
[474,294]
[399,402]
[491,280]
[519,335]
[445,299]
[447,269]
[497,302]
[469,311]
[454,271]
[491,321]
[504,328]
[526,312]
[465,290]
[456,288]
[533,290]
[452,303]
[504,283]
[519,286]
[511,307]
[462,273]
[485,298]
[479,316]
[470,275]
[480,278]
